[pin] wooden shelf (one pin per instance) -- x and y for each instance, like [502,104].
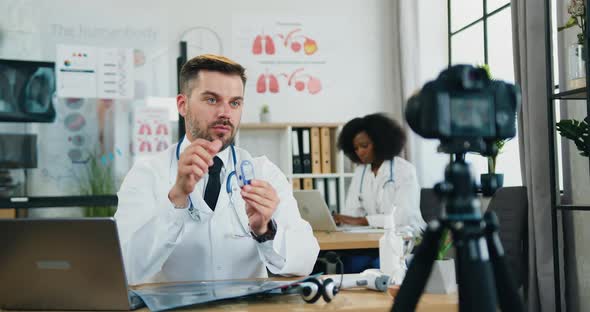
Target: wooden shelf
[58,201]
[280,125]
[573,207]
[319,175]
[575,94]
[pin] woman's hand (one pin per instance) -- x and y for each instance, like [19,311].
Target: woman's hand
[343,219]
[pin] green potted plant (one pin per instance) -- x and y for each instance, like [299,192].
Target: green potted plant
[264,113]
[577,131]
[576,70]
[97,179]
[442,278]
[492,181]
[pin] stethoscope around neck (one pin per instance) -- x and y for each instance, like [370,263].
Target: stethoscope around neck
[390,180]
[196,214]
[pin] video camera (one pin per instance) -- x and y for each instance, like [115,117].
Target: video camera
[465,110]
[468,113]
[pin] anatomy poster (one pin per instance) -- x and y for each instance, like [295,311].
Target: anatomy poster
[151,130]
[68,144]
[282,56]
[92,72]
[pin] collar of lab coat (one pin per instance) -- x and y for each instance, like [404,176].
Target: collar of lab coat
[383,169]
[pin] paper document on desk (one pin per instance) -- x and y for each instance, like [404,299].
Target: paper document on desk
[171,296]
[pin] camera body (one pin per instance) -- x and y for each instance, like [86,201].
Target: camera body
[465,110]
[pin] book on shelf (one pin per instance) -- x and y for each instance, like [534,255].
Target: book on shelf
[295,151]
[326,150]
[296,184]
[308,184]
[320,185]
[316,162]
[305,150]
[332,195]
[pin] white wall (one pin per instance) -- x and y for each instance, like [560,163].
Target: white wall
[352,34]
[426,30]
[356,40]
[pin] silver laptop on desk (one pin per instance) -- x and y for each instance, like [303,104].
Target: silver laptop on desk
[62,264]
[313,209]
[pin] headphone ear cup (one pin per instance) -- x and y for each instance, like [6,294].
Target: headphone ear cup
[311,290]
[330,289]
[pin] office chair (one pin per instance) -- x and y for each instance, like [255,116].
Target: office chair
[429,204]
[511,206]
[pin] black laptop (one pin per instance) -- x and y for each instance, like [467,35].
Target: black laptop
[62,264]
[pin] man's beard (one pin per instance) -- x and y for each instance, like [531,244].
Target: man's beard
[194,128]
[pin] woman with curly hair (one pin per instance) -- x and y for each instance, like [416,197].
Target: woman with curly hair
[384,185]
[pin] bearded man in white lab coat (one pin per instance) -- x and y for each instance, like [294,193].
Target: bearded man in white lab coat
[182,215]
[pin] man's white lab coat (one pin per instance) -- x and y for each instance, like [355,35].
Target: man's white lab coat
[379,196]
[162,244]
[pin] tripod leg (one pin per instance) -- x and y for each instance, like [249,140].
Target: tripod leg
[419,270]
[505,284]
[475,275]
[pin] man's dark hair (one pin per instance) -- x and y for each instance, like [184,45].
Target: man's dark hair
[387,135]
[190,70]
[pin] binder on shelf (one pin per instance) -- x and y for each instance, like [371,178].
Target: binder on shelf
[297,167]
[332,192]
[316,162]
[8,213]
[326,150]
[305,150]
[308,184]
[296,184]
[320,185]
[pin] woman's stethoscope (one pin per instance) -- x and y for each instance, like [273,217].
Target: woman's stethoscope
[390,180]
[246,174]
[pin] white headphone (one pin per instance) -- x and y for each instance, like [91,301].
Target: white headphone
[313,288]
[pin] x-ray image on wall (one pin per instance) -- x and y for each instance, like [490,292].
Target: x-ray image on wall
[27,91]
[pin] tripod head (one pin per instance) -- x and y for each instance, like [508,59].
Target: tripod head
[458,192]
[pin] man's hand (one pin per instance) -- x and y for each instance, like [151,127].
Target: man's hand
[193,164]
[343,219]
[261,202]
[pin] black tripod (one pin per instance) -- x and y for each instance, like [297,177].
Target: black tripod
[482,272]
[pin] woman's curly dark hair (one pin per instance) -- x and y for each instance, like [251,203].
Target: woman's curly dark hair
[387,135]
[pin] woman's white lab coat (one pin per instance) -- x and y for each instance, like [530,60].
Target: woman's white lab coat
[379,195]
[161,243]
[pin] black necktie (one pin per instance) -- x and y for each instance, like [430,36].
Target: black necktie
[214,183]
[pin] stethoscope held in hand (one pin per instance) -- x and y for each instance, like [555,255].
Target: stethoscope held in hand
[244,176]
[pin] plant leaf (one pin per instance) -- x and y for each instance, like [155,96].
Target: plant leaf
[446,242]
[571,22]
[578,132]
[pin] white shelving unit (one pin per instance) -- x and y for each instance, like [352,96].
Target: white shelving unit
[274,140]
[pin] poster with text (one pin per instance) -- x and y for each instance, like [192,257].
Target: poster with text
[283,56]
[293,64]
[93,72]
